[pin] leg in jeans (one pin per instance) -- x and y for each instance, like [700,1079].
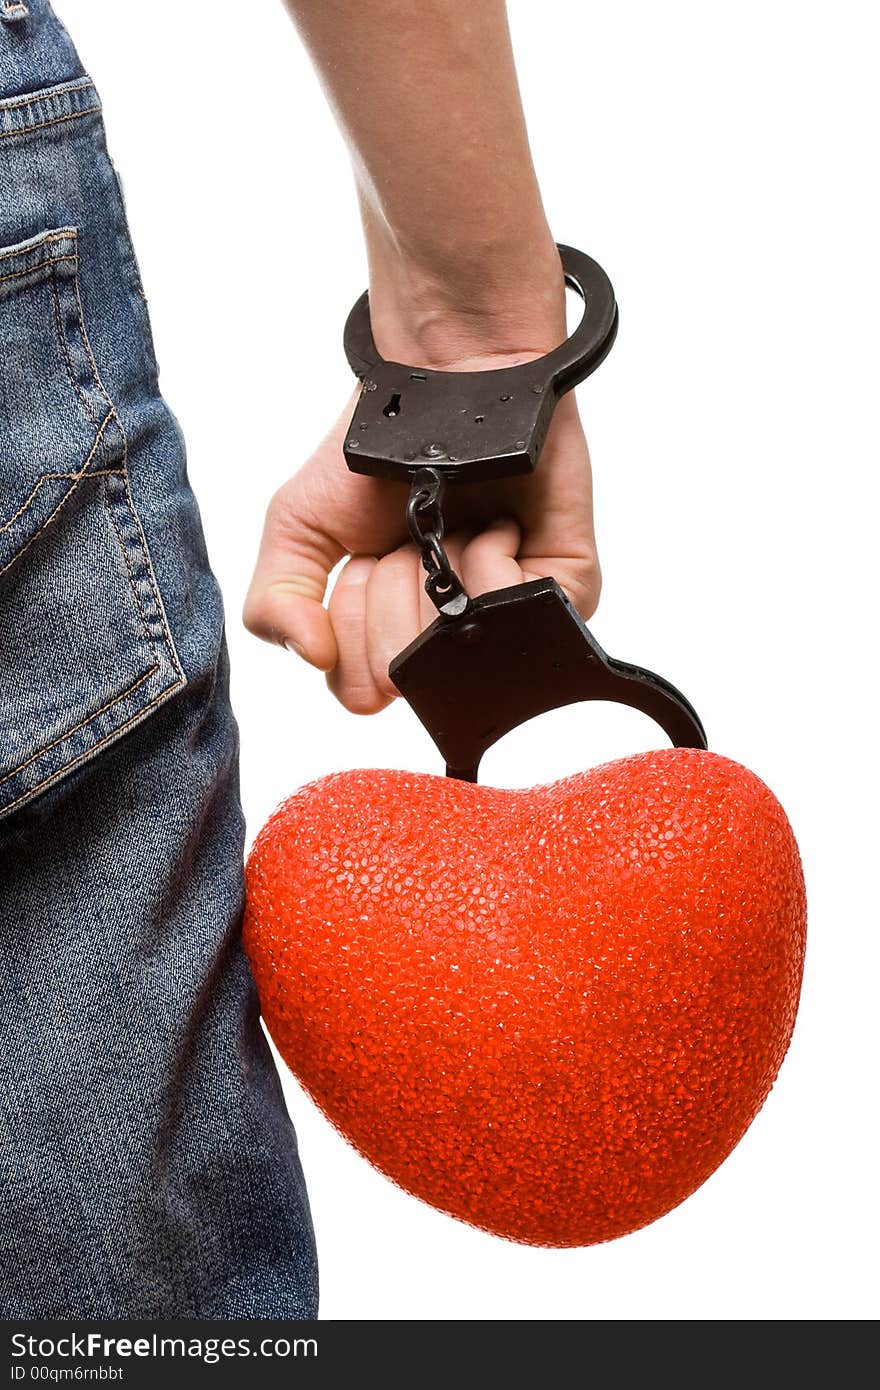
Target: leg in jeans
[147,1164]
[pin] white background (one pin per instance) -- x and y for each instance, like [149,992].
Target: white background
[720,162]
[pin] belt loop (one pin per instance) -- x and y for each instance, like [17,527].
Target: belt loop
[12,10]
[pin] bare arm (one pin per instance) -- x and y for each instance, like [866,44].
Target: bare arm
[461,257]
[463,274]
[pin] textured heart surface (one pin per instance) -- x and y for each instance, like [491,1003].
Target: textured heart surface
[549,1012]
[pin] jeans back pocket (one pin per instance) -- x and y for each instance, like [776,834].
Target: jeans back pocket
[85,649]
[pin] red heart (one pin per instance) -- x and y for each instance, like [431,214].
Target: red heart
[549,1012]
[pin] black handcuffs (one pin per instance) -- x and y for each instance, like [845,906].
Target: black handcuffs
[490,663]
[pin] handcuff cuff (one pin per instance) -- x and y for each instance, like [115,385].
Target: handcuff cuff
[489,664]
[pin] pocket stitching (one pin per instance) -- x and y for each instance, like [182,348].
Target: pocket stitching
[79,477]
[40,125]
[132,585]
[47,748]
[32,269]
[67,234]
[113,415]
[61,90]
[157,598]
[127,503]
[88,752]
[51,477]
[68,365]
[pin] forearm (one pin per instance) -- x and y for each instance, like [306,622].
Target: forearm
[462,262]
[464,273]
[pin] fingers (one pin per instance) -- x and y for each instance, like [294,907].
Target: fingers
[352,680]
[580,577]
[489,561]
[377,608]
[285,600]
[394,612]
[556,509]
[499,557]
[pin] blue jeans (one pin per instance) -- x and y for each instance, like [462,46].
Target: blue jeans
[148,1167]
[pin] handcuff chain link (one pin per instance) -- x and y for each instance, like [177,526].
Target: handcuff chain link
[424,520]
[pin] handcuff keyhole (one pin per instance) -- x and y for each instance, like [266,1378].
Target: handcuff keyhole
[393,406]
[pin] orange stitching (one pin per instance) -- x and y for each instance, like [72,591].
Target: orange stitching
[132,509]
[62,343]
[95,374]
[38,125]
[17,274]
[68,235]
[181,681]
[112,411]
[75,730]
[131,579]
[80,473]
[67,494]
[34,98]
[157,597]
[111,415]
[95,473]
[169,640]
[49,477]
[62,771]
[81,324]
[77,478]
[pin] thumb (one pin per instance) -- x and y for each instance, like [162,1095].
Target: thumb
[489,560]
[284,603]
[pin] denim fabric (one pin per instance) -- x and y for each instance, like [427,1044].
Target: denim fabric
[147,1164]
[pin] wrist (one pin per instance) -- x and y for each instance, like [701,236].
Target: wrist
[461,305]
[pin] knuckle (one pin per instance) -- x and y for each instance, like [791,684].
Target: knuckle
[356,692]
[253,616]
[287,587]
[585,585]
[287,513]
[280,504]
[362,699]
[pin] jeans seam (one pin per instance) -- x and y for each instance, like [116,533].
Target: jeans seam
[88,752]
[157,598]
[68,365]
[40,125]
[47,748]
[32,269]
[48,478]
[108,506]
[131,580]
[82,397]
[78,479]
[31,97]
[68,234]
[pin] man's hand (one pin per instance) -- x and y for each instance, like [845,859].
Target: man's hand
[464,275]
[497,534]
